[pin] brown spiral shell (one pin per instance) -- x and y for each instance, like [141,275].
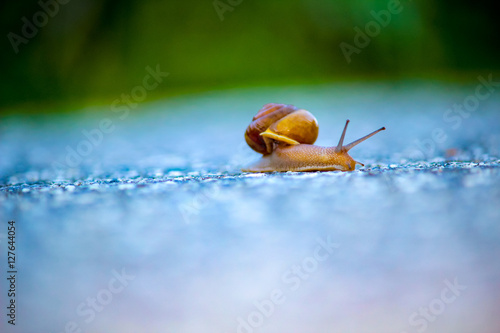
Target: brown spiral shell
[283,119]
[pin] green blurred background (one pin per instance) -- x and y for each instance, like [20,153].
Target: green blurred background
[92,51]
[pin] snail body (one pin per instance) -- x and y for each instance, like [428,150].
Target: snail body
[284,135]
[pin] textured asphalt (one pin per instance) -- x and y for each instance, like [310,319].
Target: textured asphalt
[159,197]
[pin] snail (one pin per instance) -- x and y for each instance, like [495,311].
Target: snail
[284,135]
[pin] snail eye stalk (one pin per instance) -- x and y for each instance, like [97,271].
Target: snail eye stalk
[358,141]
[338,149]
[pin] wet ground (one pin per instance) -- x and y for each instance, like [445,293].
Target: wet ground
[141,221]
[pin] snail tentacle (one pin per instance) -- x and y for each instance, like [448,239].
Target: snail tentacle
[341,141]
[358,141]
